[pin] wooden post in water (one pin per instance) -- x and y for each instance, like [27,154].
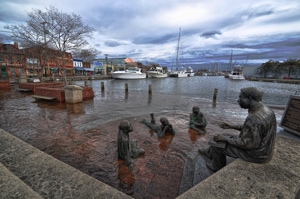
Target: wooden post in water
[85,83]
[126,88]
[215,98]
[150,89]
[102,86]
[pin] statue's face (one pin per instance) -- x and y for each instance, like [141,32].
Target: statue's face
[164,122]
[196,110]
[243,101]
[126,127]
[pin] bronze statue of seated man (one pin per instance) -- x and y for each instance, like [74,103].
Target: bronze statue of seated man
[127,148]
[160,130]
[256,140]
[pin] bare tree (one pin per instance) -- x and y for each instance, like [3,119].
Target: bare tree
[53,28]
[86,54]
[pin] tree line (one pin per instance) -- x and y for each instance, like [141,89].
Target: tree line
[276,69]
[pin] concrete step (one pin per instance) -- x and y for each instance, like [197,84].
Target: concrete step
[39,175]
[240,179]
[12,187]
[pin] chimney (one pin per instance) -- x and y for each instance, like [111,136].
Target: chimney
[16,45]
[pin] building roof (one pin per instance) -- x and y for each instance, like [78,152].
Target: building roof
[129,60]
[10,48]
[116,61]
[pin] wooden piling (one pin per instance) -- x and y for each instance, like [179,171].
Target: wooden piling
[215,98]
[102,86]
[126,88]
[150,89]
[85,83]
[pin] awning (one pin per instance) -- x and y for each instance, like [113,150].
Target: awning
[88,69]
[79,68]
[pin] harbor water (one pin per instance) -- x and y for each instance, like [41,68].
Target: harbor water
[84,135]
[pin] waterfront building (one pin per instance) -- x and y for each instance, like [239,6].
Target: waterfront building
[47,62]
[106,65]
[11,65]
[82,68]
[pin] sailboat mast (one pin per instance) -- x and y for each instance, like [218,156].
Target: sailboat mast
[230,63]
[178,49]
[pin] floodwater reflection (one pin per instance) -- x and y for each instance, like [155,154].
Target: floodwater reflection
[84,135]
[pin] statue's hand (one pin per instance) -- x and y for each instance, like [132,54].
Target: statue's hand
[220,138]
[224,125]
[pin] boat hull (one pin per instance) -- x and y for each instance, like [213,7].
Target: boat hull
[156,75]
[236,77]
[190,74]
[128,74]
[178,74]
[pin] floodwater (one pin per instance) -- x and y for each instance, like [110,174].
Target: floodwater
[84,135]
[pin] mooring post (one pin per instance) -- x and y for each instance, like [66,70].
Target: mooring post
[150,89]
[102,86]
[126,88]
[85,83]
[215,98]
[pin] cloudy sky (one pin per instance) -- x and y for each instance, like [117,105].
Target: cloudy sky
[147,31]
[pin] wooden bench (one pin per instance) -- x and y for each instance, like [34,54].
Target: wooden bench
[24,90]
[41,97]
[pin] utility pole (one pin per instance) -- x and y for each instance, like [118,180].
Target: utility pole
[106,65]
[45,46]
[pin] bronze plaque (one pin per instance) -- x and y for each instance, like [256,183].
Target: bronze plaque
[290,120]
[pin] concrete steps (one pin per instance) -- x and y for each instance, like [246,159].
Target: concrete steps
[27,172]
[12,187]
[243,180]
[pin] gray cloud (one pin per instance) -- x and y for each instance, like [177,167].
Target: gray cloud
[210,34]
[148,30]
[112,43]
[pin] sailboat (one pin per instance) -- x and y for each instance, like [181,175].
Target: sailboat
[179,72]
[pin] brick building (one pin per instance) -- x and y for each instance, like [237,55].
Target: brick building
[47,62]
[11,65]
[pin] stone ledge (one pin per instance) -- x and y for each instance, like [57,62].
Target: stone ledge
[12,187]
[278,179]
[47,176]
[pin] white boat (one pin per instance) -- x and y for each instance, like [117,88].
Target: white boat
[129,73]
[190,72]
[236,73]
[157,72]
[178,72]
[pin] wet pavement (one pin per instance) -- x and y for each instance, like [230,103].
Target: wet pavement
[84,136]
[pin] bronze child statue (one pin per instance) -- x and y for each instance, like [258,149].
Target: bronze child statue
[165,126]
[256,140]
[127,148]
[197,120]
